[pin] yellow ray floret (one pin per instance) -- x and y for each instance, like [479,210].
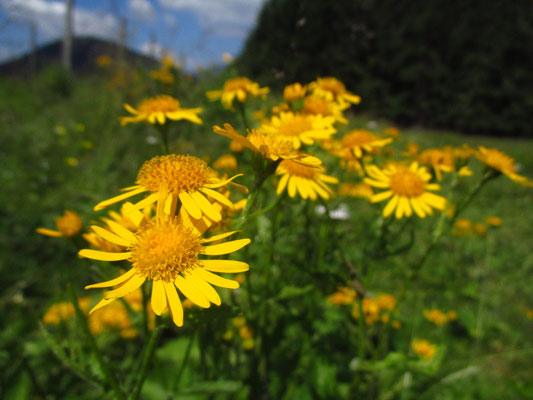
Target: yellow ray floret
[156,110]
[408,189]
[169,252]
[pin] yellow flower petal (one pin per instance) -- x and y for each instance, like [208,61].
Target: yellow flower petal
[104,255]
[225,248]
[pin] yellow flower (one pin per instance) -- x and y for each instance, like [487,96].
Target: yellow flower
[343,295]
[315,105]
[529,314]
[300,128]
[423,348]
[239,88]
[238,322]
[104,61]
[439,160]
[493,221]
[386,301]
[174,177]
[411,150]
[72,161]
[68,225]
[156,110]
[462,226]
[452,315]
[294,92]
[226,161]
[162,75]
[273,147]
[465,171]
[502,163]
[480,229]
[363,190]
[307,180]
[392,131]
[358,141]
[408,187]
[246,333]
[436,316]
[63,311]
[333,90]
[166,250]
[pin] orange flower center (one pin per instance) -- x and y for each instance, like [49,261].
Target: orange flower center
[161,103]
[178,172]
[295,169]
[407,183]
[164,249]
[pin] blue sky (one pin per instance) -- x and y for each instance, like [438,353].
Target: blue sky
[197,32]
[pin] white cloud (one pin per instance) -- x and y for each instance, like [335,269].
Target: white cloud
[225,17]
[142,9]
[154,50]
[49,17]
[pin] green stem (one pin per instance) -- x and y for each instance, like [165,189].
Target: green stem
[148,355]
[109,376]
[183,363]
[163,131]
[242,111]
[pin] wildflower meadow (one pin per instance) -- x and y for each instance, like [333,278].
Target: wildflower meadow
[170,236]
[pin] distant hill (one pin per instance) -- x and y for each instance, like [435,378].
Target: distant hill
[85,50]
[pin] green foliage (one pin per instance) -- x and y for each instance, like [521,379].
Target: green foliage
[449,64]
[305,348]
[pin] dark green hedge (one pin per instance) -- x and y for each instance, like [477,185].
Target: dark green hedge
[466,65]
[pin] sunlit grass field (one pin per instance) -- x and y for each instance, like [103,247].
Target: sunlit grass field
[68,152]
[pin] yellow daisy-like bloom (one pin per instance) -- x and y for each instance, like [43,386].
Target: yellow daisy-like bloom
[436,316]
[226,161]
[493,221]
[343,295]
[104,61]
[239,88]
[299,128]
[411,150]
[408,187]
[423,348]
[501,162]
[333,89]
[392,131]
[167,251]
[294,92]
[440,160]
[63,311]
[363,190]
[315,105]
[465,171]
[273,147]
[156,110]
[68,225]
[359,141]
[177,177]
[308,180]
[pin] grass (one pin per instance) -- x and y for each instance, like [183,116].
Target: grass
[70,152]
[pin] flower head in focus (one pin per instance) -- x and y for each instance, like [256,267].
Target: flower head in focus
[177,177]
[168,251]
[408,189]
[156,110]
[239,89]
[68,225]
